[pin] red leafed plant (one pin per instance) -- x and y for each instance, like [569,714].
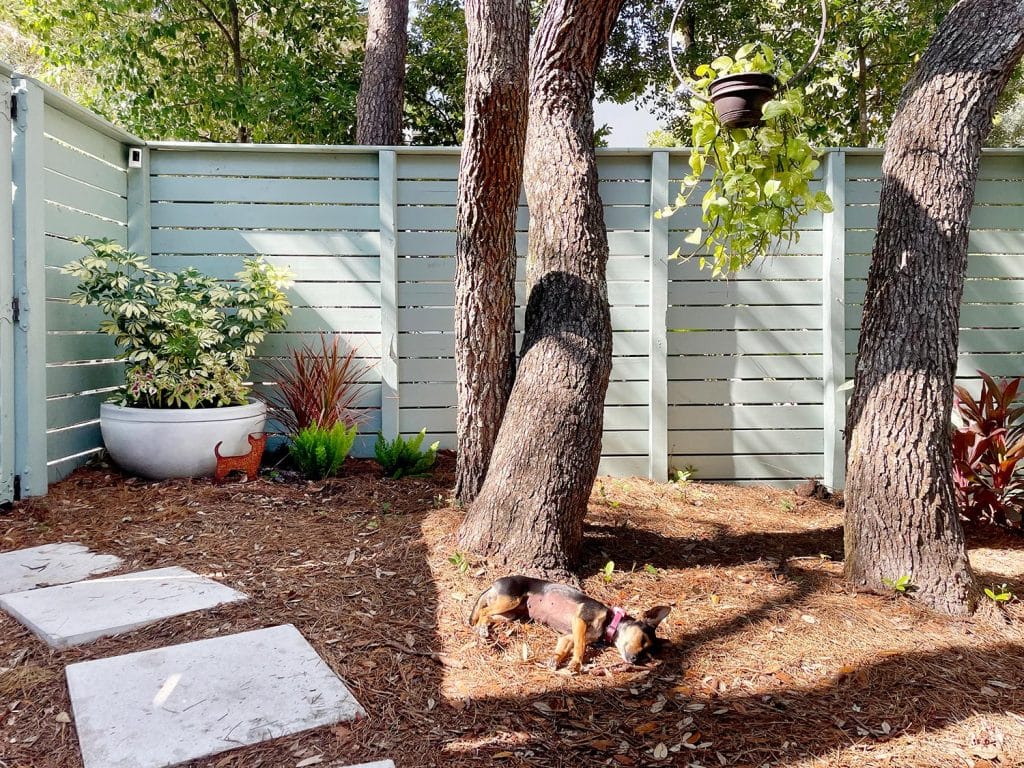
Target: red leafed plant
[317,385]
[988,450]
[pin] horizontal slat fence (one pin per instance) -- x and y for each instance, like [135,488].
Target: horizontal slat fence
[85,193]
[314,212]
[70,178]
[991,312]
[739,379]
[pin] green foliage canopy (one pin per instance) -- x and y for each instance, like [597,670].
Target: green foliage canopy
[869,50]
[435,77]
[220,70]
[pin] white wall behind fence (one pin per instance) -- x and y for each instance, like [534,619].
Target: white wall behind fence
[737,378]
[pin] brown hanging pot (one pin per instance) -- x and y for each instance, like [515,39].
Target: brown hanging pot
[739,99]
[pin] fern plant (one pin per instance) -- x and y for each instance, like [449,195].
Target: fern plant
[403,458]
[319,452]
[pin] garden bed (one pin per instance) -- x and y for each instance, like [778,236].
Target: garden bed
[772,659]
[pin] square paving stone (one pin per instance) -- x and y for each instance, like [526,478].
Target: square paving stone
[166,706]
[72,614]
[51,564]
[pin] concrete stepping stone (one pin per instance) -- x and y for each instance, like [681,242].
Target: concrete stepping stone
[166,706]
[72,614]
[51,564]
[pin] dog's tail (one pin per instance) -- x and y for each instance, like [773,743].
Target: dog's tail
[476,607]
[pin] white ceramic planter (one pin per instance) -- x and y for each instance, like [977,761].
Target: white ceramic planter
[159,443]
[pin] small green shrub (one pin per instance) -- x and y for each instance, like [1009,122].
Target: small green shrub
[459,561]
[1000,594]
[319,452]
[608,571]
[900,585]
[403,458]
[683,476]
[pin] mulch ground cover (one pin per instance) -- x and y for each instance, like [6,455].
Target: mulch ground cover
[771,659]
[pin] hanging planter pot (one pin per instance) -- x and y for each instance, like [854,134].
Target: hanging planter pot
[739,99]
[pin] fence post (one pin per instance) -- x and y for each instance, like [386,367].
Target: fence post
[29,289]
[834,321]
[657,438]
[388,293]
[139,229]
[6,304]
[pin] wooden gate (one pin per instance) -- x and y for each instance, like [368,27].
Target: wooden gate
[7,303]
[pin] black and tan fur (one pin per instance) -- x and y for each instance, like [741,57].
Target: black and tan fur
[581,620]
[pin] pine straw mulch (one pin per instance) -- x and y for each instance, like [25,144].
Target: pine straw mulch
[772,660]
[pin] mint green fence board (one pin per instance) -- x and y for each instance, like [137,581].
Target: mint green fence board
[745,367]
[30,438]
[992,309]
[85,192]
[316,213]
[738,378]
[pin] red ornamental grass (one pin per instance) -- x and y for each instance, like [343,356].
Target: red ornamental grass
[988,451]
[317,384]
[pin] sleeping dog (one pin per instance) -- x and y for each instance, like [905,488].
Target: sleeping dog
[580,619]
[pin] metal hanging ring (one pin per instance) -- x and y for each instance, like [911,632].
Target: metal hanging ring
[688,90]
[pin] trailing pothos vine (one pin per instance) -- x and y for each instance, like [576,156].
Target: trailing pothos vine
[756,182]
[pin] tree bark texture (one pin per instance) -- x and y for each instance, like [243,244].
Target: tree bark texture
[490,176]
[901,516]
[380,98]
[531,507]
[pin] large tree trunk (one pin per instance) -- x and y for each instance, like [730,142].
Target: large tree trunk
[490,175]
[531,507]
[379,102]
[901,517]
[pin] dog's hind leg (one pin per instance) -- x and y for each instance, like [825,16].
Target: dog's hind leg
[490,607]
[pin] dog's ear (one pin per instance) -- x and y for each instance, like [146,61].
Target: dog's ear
[656,615]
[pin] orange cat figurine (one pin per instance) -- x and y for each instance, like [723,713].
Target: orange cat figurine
[249,463]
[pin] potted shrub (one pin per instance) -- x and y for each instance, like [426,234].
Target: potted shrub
[756,178]
[185,339]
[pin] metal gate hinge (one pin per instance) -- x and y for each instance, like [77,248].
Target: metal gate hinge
[20,309]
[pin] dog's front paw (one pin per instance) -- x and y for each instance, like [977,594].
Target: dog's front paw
[484,632]
[574,667]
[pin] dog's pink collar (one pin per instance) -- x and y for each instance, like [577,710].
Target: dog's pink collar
[617,615]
